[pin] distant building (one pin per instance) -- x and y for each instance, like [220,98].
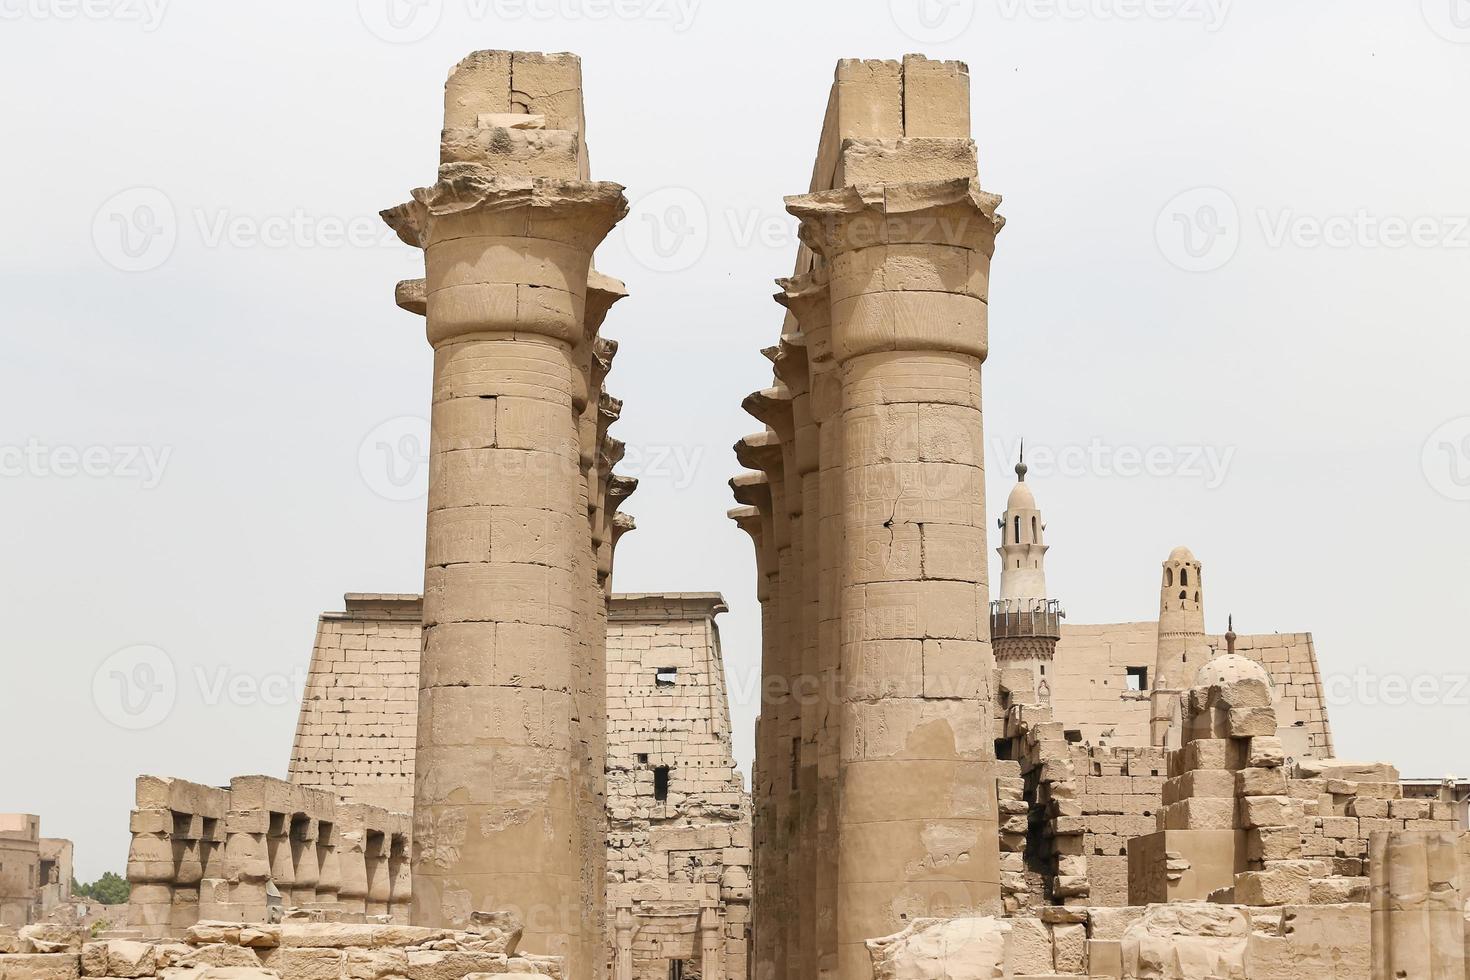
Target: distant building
[35,871]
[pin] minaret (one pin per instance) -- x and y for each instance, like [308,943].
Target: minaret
[1024,624]
[1182,648]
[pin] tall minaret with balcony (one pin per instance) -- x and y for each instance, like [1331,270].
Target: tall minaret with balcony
[1025,625]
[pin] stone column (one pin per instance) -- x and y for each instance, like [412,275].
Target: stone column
[400,879]
[498,812]
[188,846]
[809,300]
[777,408]
[624,926]
[151,871]
[352,860]
[329,877]
[1418,917]
[306,868]
[776,927]
[379,877]
[753,490]
[917,829]
[711,943]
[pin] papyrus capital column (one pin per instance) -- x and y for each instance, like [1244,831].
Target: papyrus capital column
[909,270]
[501,796]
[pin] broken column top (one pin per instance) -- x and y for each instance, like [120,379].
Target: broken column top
[522,108]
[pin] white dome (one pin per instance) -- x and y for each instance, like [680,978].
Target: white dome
[1228,669]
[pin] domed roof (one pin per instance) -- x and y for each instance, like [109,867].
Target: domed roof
[1021,498]
[1181,553]
[1228,669]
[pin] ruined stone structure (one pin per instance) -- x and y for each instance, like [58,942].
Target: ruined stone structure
[944,786]
[35,871]
[247,853]
[678,839]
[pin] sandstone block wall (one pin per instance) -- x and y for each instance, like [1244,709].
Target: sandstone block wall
[359,713]
[20,868]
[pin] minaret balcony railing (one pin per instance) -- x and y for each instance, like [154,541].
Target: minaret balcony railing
[1013,618]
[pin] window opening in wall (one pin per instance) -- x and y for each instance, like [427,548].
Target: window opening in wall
[1168,578]
[643,758]
[1018,529]
[666,676]
[1034,538]
[661,783]
[795,761]
[1073,735]
[1138,678]
[1043,670]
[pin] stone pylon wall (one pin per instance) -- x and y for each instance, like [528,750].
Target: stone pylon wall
[874,787]
[508,783]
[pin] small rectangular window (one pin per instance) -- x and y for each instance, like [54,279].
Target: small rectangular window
[1138,678]
[666,676]
[661,784]
[643,758]
[1073,735]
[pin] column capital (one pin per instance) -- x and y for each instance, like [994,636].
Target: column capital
[761,451]
[809,299]
[927,212]
[509,255]
[412,295]
[773,406]
[753,491]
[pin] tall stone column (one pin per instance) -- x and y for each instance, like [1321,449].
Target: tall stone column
[808,299]
[1417,911]
[783,409]
[917,829]
[764,452]
[753,490]
[508,233]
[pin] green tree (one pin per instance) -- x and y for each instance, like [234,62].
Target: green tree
[110,889]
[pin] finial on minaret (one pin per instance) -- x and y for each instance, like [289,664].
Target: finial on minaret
[1230,636]
[1021,464]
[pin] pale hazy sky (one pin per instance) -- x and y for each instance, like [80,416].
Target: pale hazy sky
[1230,302]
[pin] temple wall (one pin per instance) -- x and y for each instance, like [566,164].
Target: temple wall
[359,713]
[1090,686]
